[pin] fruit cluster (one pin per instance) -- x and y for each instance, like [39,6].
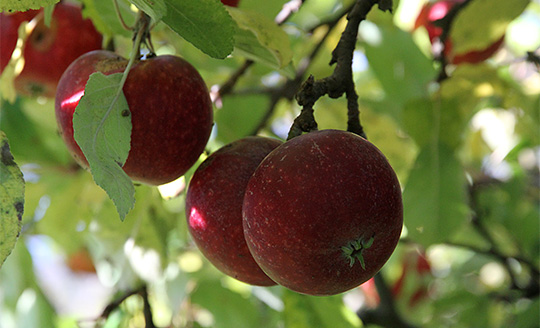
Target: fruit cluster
[431,13]
[319,214]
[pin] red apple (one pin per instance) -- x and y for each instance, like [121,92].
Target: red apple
[323,212]
[48,50]
[232,3]
[214,207]
[432,12]
[171,112]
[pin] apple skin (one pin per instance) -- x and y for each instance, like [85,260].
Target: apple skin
[314,195]
[432,12]
[231,3]
[171,112]
[48,51]
[214,207]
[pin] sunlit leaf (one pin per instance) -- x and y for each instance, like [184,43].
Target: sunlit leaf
[9,73]
[261,39]
[403,77]
[482,22]
[204,23]
[102,128]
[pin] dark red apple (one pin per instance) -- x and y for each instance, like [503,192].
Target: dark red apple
[171,112]
[214,207]
[432,12]
[232,3]
[48,50]
[323,212]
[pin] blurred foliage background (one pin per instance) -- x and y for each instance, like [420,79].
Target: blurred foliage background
[466,151]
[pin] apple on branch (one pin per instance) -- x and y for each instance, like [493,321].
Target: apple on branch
[170,109]
[322,213]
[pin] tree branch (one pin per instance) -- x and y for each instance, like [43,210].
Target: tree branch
[115,304]
[341,81]
[385,314]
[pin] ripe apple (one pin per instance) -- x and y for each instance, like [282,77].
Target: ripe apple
[214,207]
[434,11]
[48,50]
[171,112]
[323,212]
[232,3]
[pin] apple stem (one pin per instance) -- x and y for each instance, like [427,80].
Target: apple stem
[341,81]
[353,250]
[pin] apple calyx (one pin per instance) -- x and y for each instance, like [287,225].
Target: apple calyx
[353,251]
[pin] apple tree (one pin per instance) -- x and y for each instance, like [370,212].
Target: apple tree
[291,163]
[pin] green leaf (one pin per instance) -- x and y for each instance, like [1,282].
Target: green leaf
[261,39]
[434,199]
[102,128]
[229,309]
[397,62]
[153,8]
[302,311]
[24,5]
[482,22]
[204,23]
[29,138]
[11,200]
[105,19]
[239,116]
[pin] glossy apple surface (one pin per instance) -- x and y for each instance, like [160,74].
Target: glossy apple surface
[214,207]
[312,203]
[48,51]
[171,112]
[432,12]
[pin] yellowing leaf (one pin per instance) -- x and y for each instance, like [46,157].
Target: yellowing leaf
[11,200]
[261,39]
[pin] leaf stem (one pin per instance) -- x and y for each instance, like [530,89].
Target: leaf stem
[142,28]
